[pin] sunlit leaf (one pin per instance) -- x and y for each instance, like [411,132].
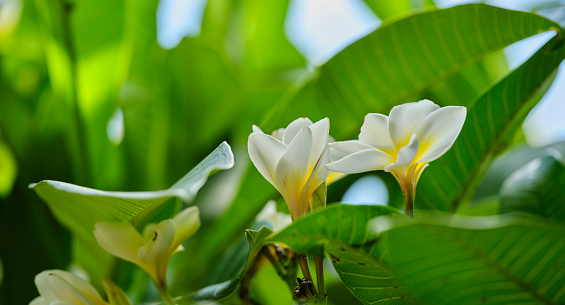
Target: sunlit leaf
[387,9]
[402,59]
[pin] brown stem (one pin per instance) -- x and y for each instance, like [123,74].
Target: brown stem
[303,263]
[409,194]
[319,261]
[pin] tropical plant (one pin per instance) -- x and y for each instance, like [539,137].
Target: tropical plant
[98,120]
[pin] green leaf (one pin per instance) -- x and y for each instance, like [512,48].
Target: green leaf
[266,46]
[509,162]
[223,290]
[79,208]
[8,169]
[252,196]
[355,252]
[491,121]
[536,188]
[401,60]
[479,261]
[387,9]
[487,206]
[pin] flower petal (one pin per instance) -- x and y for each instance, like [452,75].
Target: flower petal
[119,239]
[265,152]
[438,131]
[361,161]
[405,156]
[278,134]
[293,128]
[115,295]
[292,169]
[39,301]
[257,129]
[351,146]
[320,132]
[404,119]
[375,131]
[317,177]
[336,154]
[187,223]
[58,285]
[155,250]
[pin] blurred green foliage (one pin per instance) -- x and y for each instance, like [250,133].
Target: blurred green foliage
[89,97]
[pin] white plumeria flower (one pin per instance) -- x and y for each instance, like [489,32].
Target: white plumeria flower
[153,250]
[270,214]
[293,160]
[64,288]
[403,143]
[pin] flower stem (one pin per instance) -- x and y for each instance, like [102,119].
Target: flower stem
[409,194]
[164,293]
[319,261]
[303,263]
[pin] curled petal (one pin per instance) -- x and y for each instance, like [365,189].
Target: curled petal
[265,151]
[294,128]
[361,161]
[155,251]
[404,119]
[375,131]
[292,169]
[320,131]
[405,155]
[119,239]
[187,223]
[438,131]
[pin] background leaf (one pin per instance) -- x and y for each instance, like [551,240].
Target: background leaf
[223,290]
[536,189]
[401,61]
[79,208]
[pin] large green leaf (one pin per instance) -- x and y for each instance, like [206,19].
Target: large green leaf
[491,121]
[79,208]
[480,261]
[341,230]
[401,60]
[536,188]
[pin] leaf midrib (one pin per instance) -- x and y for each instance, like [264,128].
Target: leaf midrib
[485,258]
[471,182]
